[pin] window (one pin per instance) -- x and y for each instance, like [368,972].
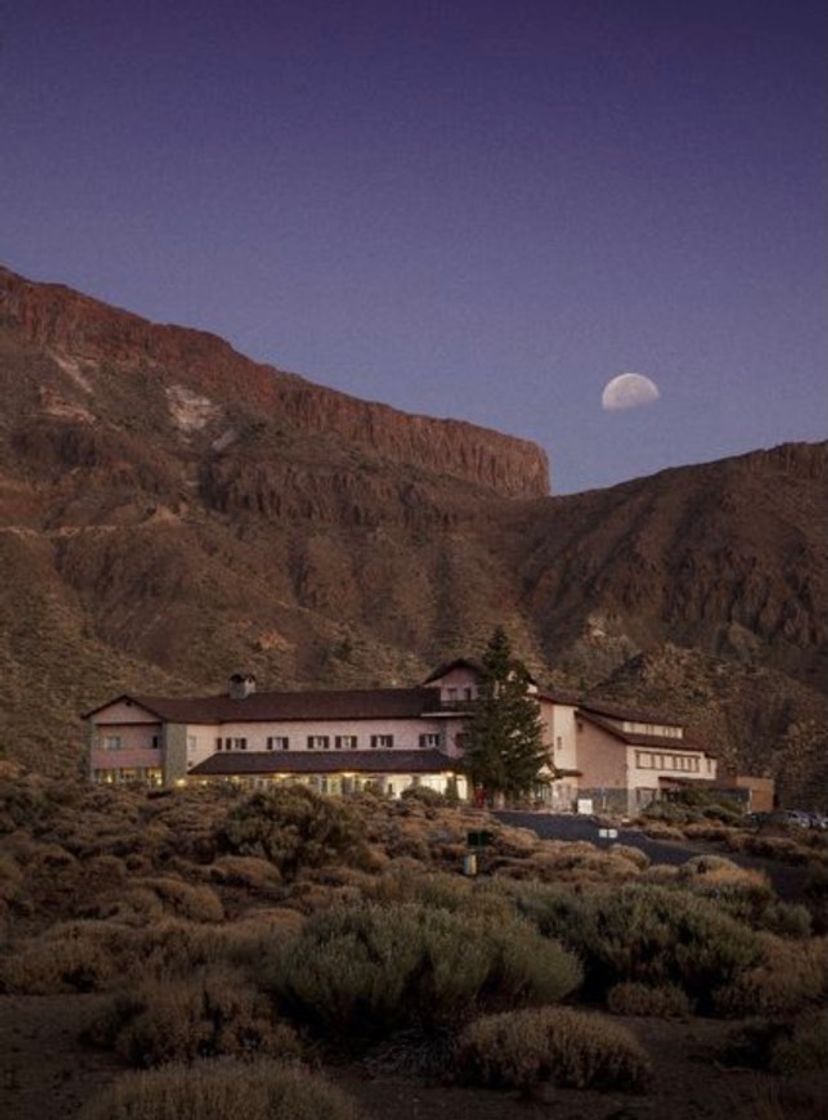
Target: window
[319,742]
[430,739]
[451,693]
[382,742]
[218,743]
[112,743]
[345,742]
[156,742]
[278,743]
[644,760]
[468,693]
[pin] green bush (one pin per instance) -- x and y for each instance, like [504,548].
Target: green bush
[662,1002]
[292,827]
[521,1049]
[647,933]
[217,1090]
[206,1015]
[366,969]
[789,976]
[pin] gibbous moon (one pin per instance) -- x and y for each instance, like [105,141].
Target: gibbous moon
[628,390]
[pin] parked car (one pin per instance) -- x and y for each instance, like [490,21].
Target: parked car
[818,821]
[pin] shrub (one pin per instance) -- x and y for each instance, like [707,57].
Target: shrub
[520,1049]
[745,894]
[635,856]
[218,1089]
[199,904]
[431,798]
[789,976]
[293,827]
[205,1015]
[796,1047]
[246,871]
[662,1002]
[45,966]
[647,933]
[366,969]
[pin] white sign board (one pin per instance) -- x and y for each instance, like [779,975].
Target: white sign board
[608,833]
[585,805]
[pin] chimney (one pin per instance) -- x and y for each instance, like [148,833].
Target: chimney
[242,685]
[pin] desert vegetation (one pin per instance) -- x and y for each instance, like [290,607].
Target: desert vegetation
[234,942]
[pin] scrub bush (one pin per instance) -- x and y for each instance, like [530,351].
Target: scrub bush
[662,1002]
[216,1090]
[366,969]
[521,1049]
[646,933]
[208,1014]
[293,828]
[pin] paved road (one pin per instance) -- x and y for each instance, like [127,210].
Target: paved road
[787,881]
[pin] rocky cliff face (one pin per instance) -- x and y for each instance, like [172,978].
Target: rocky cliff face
[86,332]
[171,512]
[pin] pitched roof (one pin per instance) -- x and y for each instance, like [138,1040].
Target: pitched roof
[326,762]
[458,663]
[639,739]
[634,715]
[342,704]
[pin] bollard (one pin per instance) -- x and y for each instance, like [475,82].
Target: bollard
[470,863]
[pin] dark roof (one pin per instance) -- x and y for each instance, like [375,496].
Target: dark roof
[559,697]
[634,715]
[637,739]
[462,663]
[350,704]
[326,762]
[458,663]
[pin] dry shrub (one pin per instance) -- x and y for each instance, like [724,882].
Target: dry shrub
[46,966]
[209,1014]
[769,847]
[664,1001]
[521,1049]
[635,856]
[662,874]
[11,878]
[787,1047]
[745,894]
[569,861]
[366,969]
[246,871]
[789,976]
[707,830]
[293,827]
[658,830]
[216,1090]
[516,842]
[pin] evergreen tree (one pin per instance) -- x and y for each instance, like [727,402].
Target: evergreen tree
[503,744]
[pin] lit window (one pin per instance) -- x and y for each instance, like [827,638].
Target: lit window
[430,739]
[278,743]
[345,742]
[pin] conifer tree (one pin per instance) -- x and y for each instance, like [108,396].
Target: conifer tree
[503,745]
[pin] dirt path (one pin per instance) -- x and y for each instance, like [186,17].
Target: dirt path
[45,1073]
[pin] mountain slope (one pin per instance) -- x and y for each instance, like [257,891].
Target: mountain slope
[170,511]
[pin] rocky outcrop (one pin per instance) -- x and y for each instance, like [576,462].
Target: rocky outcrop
[52,317]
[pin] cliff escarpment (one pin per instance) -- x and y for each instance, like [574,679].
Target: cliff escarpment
[53,318]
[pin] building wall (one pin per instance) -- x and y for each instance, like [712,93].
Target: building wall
[456,684]
[175,752]
[123,711]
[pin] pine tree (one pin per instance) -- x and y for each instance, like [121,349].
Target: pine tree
[503,745]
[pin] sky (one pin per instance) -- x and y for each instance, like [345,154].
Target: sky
[483,209]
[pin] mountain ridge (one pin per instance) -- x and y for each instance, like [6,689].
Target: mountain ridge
[155,535]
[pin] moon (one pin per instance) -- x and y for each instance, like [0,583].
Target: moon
[628,390]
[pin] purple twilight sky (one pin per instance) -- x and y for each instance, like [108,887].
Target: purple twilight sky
[483,209]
